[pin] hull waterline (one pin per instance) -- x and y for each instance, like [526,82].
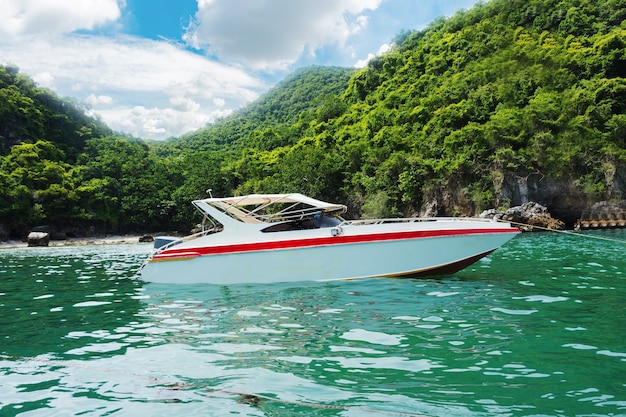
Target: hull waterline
[265,238]
[268,262]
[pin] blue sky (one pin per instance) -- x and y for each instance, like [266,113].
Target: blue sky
[160,68]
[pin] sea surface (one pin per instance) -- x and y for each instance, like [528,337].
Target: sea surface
[536,329]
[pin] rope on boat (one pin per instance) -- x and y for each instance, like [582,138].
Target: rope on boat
[247,398]
[566,232]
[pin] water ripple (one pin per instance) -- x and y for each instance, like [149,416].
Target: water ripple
[81,335]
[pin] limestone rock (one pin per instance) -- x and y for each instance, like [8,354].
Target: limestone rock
[527,217]
[38,239]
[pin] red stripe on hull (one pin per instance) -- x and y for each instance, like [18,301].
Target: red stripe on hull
[330,240]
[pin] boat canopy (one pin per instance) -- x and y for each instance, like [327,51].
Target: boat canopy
[264,208]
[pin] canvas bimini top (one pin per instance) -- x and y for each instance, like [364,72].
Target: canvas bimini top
[270,208]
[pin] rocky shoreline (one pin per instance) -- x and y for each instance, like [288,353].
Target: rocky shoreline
[530,216]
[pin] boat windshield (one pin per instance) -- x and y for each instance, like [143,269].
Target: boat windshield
[318,221]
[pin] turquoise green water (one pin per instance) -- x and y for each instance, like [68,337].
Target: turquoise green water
[536,329]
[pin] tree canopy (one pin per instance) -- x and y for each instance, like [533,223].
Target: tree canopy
[508,101]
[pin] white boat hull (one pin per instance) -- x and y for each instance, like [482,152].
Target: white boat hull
[379,250]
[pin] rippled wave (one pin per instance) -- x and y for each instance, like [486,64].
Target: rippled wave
[536,329]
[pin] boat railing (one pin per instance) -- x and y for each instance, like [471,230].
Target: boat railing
[202,233]
[362,222]
[283,216]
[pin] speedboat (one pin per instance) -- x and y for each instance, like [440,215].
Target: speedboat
[264,238]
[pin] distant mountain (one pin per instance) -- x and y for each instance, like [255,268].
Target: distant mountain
[302,91]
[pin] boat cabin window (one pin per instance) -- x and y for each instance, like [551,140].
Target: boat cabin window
[316,222]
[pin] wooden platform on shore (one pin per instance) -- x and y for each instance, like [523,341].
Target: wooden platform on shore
[600,224]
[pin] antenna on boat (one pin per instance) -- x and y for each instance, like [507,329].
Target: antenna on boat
[209,191]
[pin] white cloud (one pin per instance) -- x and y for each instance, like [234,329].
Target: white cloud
[184,104]
[272,35]
[363,62]
[44,79]
[94,100]
[160,122]
[160,89]
[21,17]
[150,89]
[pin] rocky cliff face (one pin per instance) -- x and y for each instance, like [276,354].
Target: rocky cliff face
[565,199]
[562,197]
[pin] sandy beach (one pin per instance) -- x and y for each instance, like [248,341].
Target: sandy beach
[92,240]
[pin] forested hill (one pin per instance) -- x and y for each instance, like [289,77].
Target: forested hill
[509,101]
[304,90]
[513,100]
[29,113]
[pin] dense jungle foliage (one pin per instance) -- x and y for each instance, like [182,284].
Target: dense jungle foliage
[511,99]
